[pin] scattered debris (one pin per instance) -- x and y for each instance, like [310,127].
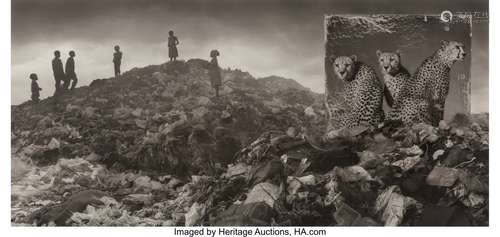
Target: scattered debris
[264,192]
[252,214]
[407,163]
[442,176]
[195,213]
[393,206]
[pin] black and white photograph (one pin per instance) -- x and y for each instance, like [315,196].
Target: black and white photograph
[233,114]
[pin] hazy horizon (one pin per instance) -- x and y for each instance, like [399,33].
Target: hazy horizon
[282,38]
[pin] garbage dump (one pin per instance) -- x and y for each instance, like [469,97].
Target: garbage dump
[156,148]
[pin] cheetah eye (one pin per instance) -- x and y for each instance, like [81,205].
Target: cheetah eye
[458,47]
[336,65]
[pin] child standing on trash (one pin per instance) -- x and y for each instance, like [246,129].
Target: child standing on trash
[57,68]
[117,60]
[70,72]
[35,89]
[172,46]
[214,72]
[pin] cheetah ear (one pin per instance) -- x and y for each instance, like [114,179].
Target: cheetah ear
[444,43]
[332,58]
[354,58]
[379,52]
[398,52]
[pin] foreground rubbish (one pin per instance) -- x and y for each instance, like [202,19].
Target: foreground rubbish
[156,149]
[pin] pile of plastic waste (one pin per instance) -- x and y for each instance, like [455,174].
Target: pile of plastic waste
[156,147]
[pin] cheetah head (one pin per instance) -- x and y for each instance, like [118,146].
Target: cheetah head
[343,66]
[389,62]
[451,51]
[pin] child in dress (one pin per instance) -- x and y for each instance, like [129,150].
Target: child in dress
[172,46]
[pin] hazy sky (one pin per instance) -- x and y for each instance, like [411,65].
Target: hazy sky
[273,37]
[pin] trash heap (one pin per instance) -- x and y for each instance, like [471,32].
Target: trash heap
[388,176]
[156,148]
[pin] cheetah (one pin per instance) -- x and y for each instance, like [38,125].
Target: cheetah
[363,92]
[423,99]
[394,74]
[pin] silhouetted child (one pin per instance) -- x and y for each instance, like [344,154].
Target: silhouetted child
[35,89]
[172,46]
[70,71]
[58,70]
[214,72]
[117,61]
